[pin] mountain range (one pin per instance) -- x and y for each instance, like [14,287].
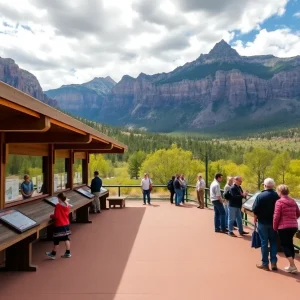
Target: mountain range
[221,91]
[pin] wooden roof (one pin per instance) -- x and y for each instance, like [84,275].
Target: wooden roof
[27,120]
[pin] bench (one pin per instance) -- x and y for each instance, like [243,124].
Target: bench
[18,247]
[113,201]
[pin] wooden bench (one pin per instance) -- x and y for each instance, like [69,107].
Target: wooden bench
[18,247]
[113,201]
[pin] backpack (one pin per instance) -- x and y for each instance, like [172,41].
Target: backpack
[227,195]
[170,185]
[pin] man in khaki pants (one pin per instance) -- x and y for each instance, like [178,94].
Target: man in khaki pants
[200,187]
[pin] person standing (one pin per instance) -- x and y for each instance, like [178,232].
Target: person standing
[61,226]
[178,190]
[227,188]
[146,184]
[200,187]
[96,186]
[217,201]
[171,189]
[235,206]
[27,188]
[285,222]
[263,209]
[183,187]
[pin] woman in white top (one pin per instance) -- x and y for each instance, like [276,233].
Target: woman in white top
[226,202]
[146,185]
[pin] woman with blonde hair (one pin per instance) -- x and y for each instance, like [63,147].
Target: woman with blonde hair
[285,222]
[227,187]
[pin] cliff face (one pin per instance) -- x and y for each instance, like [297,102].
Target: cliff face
[84,99]
[218,87]
[11,74]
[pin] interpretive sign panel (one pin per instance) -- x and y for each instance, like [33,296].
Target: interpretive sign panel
[54,200]
[249,203]
[85,193]
[11,189]
[16,220]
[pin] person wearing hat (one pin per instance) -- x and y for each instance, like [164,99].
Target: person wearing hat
[263,209]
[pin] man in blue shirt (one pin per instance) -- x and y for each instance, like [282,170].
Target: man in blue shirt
[96,189]
[26,188]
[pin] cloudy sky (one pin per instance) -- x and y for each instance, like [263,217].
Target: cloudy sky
[64,42]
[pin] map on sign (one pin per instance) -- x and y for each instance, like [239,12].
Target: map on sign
[249,203]
[85,193]
[17,220]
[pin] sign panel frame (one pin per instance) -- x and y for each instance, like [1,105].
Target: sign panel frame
[85,193]
[9,218]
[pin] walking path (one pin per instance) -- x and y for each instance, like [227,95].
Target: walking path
[158,252]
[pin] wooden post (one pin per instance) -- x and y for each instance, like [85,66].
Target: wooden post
[69,170]
[3,159]
[85,170]
[48,172]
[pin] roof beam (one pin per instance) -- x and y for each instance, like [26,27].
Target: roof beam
[90,146]
[112,151]
[41,124]
[47,138]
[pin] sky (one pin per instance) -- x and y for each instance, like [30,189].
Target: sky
[63,42]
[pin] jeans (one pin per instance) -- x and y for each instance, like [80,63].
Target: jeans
[183,194]
[178,197]
[219,215]
[286,239]
[172,193]
[226,214]
[146,193]
[234,214]
[268,234]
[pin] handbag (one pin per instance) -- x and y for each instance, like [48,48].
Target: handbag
[255,240]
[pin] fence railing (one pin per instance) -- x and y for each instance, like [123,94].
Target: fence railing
[186,197]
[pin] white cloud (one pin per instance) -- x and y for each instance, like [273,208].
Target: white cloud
[297,15]
[281,43]
[63,42]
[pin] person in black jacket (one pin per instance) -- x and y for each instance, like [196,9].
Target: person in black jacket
[171,189]
[235,205]
[96,189]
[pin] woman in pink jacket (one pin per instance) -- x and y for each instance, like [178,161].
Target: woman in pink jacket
[285,222]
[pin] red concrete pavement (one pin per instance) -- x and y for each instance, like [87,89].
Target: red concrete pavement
[158,252]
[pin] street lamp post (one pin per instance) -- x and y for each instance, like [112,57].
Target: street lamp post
[206,178]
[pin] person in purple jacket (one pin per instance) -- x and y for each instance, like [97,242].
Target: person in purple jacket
[285,222]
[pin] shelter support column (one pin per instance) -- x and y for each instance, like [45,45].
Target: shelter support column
[69,169]
[85,169]
[48,171]
[3,158]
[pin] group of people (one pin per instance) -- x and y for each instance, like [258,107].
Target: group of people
[274,212]
[177,186]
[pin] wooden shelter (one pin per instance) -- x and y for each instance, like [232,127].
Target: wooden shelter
[30,127]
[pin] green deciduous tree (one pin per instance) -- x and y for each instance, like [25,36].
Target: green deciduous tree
[162,164]
[280,166]
[258,161]
[135,163]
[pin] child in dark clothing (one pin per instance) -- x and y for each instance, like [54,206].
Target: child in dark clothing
[62,230]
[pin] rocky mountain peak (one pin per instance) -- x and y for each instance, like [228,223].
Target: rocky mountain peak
[223,50]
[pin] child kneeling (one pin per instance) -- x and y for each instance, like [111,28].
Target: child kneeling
[62,229]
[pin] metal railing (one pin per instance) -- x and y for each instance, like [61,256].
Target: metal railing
[186,198]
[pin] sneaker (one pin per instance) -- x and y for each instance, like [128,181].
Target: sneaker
[274,267]
[244,233]
[66,255]
[98,211]
[149,203]
[50,255]
[263,267]
[231,234]
[292,270]
[199,207]
[224,231]
[144,203]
